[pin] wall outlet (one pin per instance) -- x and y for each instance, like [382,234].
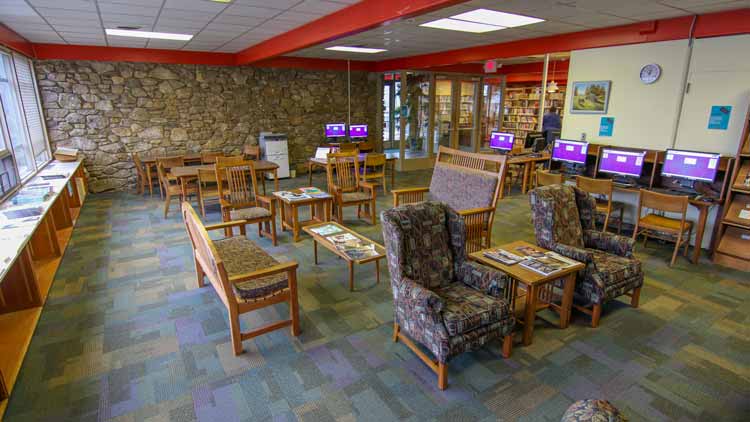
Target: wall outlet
[583,136]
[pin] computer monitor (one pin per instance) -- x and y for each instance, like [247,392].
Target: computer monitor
[358,131]
[335,130]
[502,141]
[691,165]
[622,162]
[570,151]
[530,137]
[322,152]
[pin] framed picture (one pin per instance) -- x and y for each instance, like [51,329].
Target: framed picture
[590,97]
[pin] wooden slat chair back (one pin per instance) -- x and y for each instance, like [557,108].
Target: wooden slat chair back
[345,166]
[365,146]
[141,177]
[602,189]
[678,230]
[210,157]
[169,184]
[478,220]
[240,193]
[374,169]
[545,178]
[232,160]
[211,264]
[347,188]
[347,147]
[251,152]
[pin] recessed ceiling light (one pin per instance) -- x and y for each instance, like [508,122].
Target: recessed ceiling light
[146,34]
[356,49]
[493,17]
[222,1]
[459,25]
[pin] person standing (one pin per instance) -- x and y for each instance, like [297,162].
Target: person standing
[551,120]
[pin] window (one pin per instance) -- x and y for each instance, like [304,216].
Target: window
[23,134]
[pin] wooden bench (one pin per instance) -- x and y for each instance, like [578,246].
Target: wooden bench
[244,276]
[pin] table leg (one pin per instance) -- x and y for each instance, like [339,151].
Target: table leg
[329,209]
[309,173]
[263,182]
[283,215]
[529,314]
[276,179]
[700,228]
[393,173]
[351,276]
[567,300]
[183,188]
[377,271]
[315,251]
[524,182]
[150,182]
[295,222]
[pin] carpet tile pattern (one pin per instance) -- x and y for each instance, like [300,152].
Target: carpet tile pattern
[127,335]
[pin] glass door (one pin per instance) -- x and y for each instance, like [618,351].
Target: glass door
[491,111]
[466,114]
[391,108]
[417,115]
[443,112]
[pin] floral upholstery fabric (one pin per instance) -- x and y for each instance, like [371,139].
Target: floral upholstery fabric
[441,300]
[466,309]
[611,269]
[240,256]
[249,213]
[355,196]
[591,410]
[462,188]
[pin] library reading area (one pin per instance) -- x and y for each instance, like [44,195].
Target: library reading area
[376,210]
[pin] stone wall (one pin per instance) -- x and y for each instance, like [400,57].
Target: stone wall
[109,110]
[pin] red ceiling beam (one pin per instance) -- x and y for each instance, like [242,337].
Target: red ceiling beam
[288,62]
[714,24]
[359,17]
[121,54]
[12,40]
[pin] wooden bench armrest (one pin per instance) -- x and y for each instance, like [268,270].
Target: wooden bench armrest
[226,224]
[412,192]
[474,211]
[279,268]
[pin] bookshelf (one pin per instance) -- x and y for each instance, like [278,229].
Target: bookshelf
[733,246]
[521,108]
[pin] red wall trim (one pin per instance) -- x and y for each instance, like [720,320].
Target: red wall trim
[12,40]
[733,22]
[314,64]
[120,54]
[359,17]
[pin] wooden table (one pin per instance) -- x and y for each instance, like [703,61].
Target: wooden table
[527,161]
[322,163]
[350,261]
[149,162]
[185,173]
[320,211]
[536,283]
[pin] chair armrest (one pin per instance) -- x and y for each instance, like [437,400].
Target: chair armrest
[265,199]
[580,255]
[410,193]
[367,185]
[475,211]
[419,300]
[609,242]
[485,279]
[225,225]
[280,268]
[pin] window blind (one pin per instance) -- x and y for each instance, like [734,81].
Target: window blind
[30,103]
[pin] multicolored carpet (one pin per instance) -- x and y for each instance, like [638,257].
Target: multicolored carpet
[126,335]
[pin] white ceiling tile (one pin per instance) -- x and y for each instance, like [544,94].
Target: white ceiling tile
[177,25]
[246,21]
[126,42]
[252,11]
[42,37]
[321,7]
[209,7]
[275,4]
[64,4]
[165,44]
[298,17]
[129,9]
[187,15]
[57,14]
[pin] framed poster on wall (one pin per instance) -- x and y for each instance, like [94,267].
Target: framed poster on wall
[590,97]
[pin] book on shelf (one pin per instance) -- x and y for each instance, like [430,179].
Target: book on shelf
[326,230]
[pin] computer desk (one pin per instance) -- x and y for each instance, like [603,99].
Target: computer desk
[700,226]
[528,162]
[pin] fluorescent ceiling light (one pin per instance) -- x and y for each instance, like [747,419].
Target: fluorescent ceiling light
[459,25]
[356,49]
[493,17]
[146,34]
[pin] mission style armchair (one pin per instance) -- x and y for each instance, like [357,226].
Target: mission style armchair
[563,218]
[441,299]
[245,277]
[469,183]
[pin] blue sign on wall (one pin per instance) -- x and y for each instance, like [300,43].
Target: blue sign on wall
[719,118]
[606,126]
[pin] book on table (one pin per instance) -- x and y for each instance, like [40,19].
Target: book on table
[352,246]
[548,263]
[502,256]
[291,196]
[325,230]
[313,192]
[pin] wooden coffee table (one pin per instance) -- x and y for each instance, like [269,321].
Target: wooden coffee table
[323,240]
[538,286]
[320,211]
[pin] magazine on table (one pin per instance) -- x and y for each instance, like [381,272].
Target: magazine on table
[502,256]
[352,246]
[326,230]
[529,252]
[548,263]
[314,192]
[291,196]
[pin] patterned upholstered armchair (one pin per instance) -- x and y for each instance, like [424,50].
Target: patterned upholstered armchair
[593,410]
[563,219]
[441,300]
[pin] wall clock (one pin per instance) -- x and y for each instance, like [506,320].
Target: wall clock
[650,73]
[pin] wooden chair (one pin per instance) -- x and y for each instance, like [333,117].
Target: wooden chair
[468,182]
[347,147]
[374,169]
[232,160]
[142,177]
[241,201]
[169,184]
[210,157]
[245,277]
[347,187]
[251,152]
[208,188]
[602,191]
[366,146]
[545,178]
[676,230]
